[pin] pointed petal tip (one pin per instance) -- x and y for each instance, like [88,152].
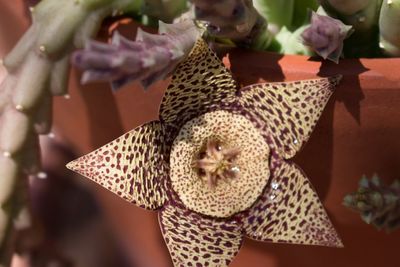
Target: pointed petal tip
[339,243]
[335,79]
[72,165]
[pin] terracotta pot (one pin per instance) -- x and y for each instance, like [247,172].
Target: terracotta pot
[357,134]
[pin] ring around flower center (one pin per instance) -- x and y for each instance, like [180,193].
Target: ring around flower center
[219,164]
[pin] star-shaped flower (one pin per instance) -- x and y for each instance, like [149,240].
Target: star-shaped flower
[216,165]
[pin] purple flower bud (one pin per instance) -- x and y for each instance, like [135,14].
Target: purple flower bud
[325,36]
[232,19]
[151,57]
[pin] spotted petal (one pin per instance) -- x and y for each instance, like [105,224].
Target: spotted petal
[200,83]
[288,111]
[195,240]
[132,166]
[290,211]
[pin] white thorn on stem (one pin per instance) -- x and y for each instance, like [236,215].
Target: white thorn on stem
[41,175]
[42,48]
[19,107]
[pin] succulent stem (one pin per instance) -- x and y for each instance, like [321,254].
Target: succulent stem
[389,27]
[363,16]
[38,68]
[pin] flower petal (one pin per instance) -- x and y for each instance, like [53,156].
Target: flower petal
[195,240]
[200,83]
[132,166]
[287,111]
[290,211]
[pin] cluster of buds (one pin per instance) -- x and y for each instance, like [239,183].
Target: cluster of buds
[377,203]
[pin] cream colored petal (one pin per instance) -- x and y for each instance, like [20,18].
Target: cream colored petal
[199,84]
[132,166]
[194,240]
[290,211]
[289,111]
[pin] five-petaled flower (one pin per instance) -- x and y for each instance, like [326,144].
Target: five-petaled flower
[215,164]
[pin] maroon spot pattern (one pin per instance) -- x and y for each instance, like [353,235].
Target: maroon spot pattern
[200,84]
[133,166]
[136,165]
[196,240]
[288,111]
[289,211]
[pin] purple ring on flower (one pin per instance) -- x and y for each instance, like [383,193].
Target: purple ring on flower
[216,165]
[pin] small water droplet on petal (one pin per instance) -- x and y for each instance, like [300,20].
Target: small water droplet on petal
[274,185]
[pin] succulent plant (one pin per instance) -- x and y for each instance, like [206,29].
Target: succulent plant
[363,16]
[377,203]
[38,69]
[278,13]
[237,20]
[164,10]
[326,35]
[150,58]
[59,27]
[389,27]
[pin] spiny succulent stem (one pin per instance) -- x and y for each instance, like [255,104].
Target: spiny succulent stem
[38,68]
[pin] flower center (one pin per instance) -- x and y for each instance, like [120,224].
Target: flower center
[217,162]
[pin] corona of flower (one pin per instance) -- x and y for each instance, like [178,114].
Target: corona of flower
[215,165]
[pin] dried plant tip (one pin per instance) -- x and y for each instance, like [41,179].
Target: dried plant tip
[325,36]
